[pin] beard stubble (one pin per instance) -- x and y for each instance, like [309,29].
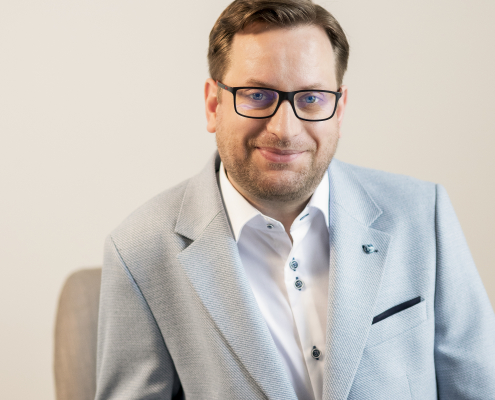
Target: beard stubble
[288,186]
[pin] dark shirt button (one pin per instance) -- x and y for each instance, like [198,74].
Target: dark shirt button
[298,284]
[293,265]
[315,353]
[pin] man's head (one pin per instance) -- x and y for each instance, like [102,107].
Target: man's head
[286,45]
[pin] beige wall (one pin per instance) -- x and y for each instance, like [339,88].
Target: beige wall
[92,125]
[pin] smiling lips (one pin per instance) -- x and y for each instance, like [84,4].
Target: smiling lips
[279,156]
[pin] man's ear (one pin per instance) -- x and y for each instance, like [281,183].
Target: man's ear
[341,107]
[211,103]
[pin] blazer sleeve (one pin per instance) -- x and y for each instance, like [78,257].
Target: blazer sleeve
[132,359]
[464,318]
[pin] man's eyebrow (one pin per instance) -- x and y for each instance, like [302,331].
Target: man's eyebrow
[255,82]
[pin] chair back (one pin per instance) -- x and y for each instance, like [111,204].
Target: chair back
[76,335]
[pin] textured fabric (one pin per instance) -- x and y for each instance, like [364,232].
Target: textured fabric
[178,318]
[75,336]
[296,318]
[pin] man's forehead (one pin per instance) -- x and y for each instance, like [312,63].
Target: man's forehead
[263,55]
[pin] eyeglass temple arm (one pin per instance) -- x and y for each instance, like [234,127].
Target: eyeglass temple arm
[228,88]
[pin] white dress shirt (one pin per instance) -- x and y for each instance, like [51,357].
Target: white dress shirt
[296,317]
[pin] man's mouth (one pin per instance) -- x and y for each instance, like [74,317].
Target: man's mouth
[275,155]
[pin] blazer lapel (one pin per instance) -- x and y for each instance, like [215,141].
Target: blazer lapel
[214,269]
[354,278]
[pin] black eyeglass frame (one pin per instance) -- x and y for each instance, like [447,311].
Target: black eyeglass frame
[289,96]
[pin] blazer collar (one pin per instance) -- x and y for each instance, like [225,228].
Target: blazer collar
[349,193]
[202,201]
[203,195]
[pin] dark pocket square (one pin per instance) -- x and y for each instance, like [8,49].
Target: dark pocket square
[396,309]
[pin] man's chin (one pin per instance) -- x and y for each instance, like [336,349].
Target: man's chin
[276,182]
[278,185]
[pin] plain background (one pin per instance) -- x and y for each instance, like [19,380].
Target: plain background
[101,108]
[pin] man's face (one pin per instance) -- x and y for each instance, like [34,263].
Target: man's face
[281,158]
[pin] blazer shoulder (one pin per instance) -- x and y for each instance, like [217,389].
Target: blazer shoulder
[152,220]
[395,192]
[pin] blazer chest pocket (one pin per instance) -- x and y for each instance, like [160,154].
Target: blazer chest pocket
[397,320]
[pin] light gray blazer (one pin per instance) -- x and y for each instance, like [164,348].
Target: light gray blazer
[178,317]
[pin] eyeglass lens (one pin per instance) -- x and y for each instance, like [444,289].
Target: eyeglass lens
[312,105]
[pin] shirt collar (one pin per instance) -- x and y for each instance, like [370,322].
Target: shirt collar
[240,211]
[321,198]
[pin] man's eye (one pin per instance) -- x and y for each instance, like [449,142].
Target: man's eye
[310,99]
[257,96]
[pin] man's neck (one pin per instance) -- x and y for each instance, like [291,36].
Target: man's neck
[283,211]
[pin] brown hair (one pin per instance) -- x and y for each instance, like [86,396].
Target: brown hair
[283,13]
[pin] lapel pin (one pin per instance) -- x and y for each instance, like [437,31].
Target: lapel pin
[369,248]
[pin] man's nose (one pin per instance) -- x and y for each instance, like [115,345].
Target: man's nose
[284,124]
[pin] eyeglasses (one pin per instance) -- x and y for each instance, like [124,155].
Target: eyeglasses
[308,105]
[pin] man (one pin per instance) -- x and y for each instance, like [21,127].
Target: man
[279,272]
